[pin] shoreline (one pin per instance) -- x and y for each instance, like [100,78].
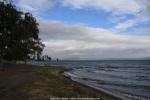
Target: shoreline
[32,81]
[106,95]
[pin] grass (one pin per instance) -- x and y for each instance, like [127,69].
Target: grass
[59,86]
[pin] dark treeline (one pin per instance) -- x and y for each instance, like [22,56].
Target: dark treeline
[19,34]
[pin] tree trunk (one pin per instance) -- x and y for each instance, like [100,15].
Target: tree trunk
[2,68]
[25,62]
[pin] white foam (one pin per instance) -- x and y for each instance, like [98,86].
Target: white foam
[71,75]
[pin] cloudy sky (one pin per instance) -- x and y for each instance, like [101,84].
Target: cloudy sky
[92,29]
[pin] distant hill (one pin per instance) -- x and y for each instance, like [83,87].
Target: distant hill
[145,58]
[78,58]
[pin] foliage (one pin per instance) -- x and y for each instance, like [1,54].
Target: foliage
[19,34]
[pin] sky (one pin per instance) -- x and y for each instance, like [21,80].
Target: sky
[92,29]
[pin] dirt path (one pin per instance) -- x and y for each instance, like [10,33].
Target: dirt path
[12,78]
[17,79]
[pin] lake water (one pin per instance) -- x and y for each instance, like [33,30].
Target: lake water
[129,80]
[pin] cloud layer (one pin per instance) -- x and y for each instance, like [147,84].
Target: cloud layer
[36,7]
[83,42]
[140,9]
[76,41]
[115,6]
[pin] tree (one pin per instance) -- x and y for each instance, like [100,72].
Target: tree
[19,34]
[8,16]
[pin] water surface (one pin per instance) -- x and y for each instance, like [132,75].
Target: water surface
[127,79]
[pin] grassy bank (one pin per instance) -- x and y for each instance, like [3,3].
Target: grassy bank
[59,86]
[41,83]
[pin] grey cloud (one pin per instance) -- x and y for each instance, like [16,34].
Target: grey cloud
[83,42]
[58,30]
[99,53]
[142,31]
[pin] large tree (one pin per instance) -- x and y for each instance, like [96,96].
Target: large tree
[19,34]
